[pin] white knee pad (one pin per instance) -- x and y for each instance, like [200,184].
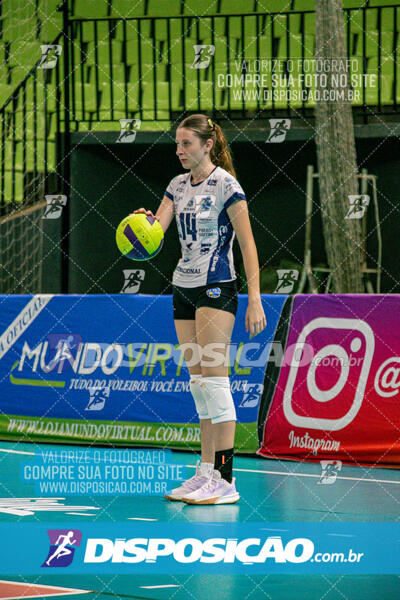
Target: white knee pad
[220,403]
[200,396]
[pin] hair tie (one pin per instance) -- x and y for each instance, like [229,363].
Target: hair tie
[211,124]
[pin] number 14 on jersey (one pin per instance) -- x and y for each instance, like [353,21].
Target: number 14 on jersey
[188,225]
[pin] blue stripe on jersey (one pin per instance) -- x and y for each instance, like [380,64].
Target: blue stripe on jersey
[233,198]
[170,196]
[219,258]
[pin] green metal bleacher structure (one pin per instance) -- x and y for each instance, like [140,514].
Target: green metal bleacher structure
[135,63]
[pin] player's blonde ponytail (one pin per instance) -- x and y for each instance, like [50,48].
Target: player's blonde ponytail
[205,129]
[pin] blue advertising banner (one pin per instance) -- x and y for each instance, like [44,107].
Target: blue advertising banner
[110,368]
[222,548]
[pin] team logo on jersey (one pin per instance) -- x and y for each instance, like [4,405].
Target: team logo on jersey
[189,205]
[205,204]
[213,292]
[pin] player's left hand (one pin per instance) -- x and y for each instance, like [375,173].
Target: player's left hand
[255,317]
[144,211]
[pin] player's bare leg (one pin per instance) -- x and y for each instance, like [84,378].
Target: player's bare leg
[214,326]
[186,332]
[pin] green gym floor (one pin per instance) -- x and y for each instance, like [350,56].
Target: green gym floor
[271,491]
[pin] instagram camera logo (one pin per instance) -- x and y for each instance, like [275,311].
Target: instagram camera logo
[62,547]
[348,356]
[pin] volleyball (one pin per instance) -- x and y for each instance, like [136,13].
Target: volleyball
[139,237]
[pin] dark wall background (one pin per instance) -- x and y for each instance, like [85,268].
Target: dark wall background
[51,258]
[111,180]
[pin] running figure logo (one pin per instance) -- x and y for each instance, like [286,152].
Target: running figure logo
[330,470]
[98,397]
[54,207]
[286,280]
[62,547]
[279,129]
[358,206]
[63,343]
[129,128]
[133,279]
[252,395]
[202,55]
[50,54]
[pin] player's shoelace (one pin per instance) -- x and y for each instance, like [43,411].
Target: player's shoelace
[210,484]
[193,480]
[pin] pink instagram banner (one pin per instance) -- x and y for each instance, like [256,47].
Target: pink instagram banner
[337,395]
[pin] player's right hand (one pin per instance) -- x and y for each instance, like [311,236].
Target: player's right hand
[146,212]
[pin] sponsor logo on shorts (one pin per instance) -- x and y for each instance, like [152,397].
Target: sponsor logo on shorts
[214,292]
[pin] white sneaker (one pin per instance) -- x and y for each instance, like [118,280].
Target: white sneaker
[203,474]
[215,491]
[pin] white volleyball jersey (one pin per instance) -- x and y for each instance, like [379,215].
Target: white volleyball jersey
[205,231]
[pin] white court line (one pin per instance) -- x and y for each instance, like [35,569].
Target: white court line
[82,514]
[156,587]
[16,451]
[287,473]
[140,519]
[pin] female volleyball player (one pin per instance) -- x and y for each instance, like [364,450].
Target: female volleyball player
[210,208]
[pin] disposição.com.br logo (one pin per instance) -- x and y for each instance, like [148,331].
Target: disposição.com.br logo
[63,543]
